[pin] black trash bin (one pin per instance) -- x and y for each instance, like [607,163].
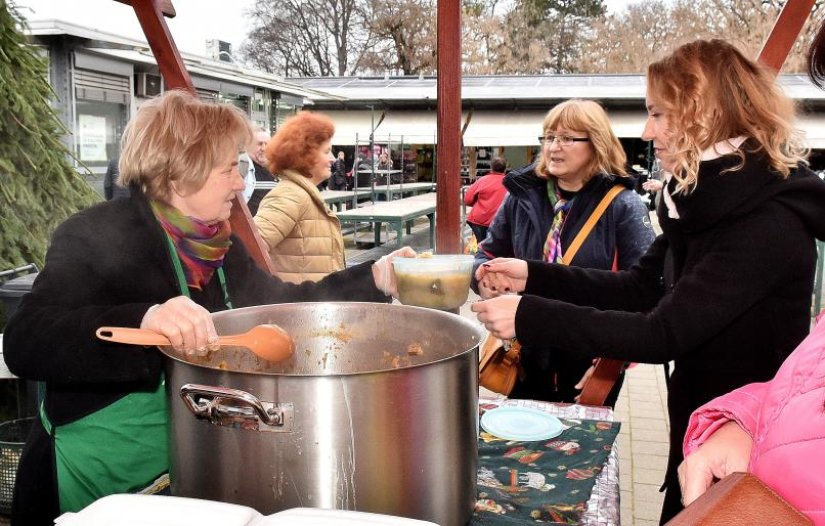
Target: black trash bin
[12,291]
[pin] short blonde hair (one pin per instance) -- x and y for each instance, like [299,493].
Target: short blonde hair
[589,117]
[711,92]
[178,139]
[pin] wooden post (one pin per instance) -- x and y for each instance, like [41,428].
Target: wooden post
[448,153]
[150,15]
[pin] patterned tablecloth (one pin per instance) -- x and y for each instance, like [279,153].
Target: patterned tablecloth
[570,479]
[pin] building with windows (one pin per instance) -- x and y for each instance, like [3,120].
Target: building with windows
[101,79]
[502,115]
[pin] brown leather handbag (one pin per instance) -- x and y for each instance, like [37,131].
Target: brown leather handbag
[499,365]
[739,498]
[500,361]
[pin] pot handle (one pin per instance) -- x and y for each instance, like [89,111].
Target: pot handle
[232,407]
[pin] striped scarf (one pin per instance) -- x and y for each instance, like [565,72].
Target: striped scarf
[552,246]
[200,247]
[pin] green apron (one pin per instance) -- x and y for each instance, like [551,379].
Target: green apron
[122,448]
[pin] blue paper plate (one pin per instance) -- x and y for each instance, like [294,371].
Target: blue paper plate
[521,423]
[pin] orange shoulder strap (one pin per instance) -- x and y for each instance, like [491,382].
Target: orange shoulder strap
[578,241]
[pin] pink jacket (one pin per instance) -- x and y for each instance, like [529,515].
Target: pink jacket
[786,419]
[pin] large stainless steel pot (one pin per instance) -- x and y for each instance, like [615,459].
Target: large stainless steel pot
[357,420]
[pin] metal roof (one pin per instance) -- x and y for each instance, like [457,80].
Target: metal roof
[138,52]
[513,88]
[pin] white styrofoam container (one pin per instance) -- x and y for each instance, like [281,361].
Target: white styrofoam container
[157,510]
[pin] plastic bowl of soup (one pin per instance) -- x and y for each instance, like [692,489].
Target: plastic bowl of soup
[435,281]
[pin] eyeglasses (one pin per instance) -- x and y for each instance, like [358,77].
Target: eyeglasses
[564,140]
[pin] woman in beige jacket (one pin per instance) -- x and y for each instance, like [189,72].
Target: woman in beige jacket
[302,233]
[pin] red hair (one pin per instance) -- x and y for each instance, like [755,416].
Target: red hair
[295,145]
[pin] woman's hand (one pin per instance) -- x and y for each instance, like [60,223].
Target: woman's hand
[498,315]
[653,185]
[501,276]
[383,273]
[585,377]
[187,325]
[727,451]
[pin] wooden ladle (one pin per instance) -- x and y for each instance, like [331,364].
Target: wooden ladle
[269,342]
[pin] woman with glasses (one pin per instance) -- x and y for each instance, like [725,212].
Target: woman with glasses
[548,203]
[725,291]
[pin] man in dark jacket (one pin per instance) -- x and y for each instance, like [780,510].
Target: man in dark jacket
[339,174]
[111,188]
[264,181]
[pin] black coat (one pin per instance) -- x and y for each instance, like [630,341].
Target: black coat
[105,267]
[520,229]
[262,175]
[725,292]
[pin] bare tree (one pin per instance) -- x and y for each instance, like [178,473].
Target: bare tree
[348,37]
[300,38]
[405,37]
[646,30]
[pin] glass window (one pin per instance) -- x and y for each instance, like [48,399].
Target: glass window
[98,130]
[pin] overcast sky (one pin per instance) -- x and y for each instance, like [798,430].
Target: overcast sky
[197,20]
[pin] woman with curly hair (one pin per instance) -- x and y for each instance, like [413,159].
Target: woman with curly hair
[776,429]
[302,233]
[725,291]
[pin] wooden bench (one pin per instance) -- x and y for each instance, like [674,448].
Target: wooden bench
[372,254]
[398,213]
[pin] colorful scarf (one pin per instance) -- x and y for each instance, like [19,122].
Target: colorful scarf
[552,246]
[200,247]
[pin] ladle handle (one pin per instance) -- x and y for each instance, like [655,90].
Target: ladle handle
[131,336]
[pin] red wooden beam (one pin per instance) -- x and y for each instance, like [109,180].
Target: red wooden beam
[784,33]
[166,7]
[150,15]
[448,152]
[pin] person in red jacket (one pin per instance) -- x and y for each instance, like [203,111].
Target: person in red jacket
[485,196]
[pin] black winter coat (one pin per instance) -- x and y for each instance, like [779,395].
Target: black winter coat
[261,175]
[725,292]
[105,267]
[520,230]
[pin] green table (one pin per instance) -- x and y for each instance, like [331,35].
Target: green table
[339,198]
[399,213]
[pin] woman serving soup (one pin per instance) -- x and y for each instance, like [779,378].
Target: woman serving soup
[161,260]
